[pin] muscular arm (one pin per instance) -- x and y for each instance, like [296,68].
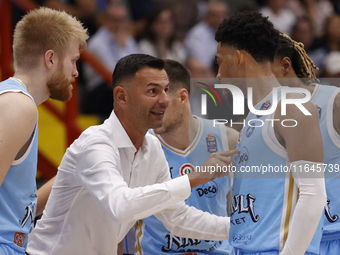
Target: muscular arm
[304,147]
[18,117]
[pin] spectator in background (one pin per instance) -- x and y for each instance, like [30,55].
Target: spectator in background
[316,10]
[186,15]
[84,10]
[330,42]
[110,43]
[332,68]
[302,31]
[200,40]
[333,33]
[336,6]
[282,18]
[139,11]
[159,37]
[198,70]
[243,5]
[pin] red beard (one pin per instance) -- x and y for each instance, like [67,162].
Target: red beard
[59,86]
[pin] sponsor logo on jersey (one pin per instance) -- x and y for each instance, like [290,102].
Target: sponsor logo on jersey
[211,143]
[243,157]
[250,130]
[186,168]
[265,106]
[19,239]
[238,238]
[209,190]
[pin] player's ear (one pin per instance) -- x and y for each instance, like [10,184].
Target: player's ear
[50,59]
[240,58]
[183,95]
[286,65]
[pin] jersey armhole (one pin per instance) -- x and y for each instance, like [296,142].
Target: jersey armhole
[335,137]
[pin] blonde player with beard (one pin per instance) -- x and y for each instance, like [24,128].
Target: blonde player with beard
[46,47]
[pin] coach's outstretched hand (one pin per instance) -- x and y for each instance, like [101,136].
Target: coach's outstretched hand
[216,166]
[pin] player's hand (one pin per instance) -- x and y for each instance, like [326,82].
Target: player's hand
[216,166]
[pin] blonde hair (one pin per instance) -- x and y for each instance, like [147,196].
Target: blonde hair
[45,29]
[302,64]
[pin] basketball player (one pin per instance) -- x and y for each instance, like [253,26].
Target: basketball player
[46,47]
[187,142]
[291,61]
[273,212]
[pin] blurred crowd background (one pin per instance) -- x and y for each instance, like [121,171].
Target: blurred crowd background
[185,31]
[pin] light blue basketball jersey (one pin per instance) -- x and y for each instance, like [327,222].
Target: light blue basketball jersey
[323,98]
[18,192]
[264,192]
[151,235]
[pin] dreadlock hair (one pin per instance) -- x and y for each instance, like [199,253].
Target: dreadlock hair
[301,62]
[252,32]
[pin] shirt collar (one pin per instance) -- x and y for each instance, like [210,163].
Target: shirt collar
[120,137]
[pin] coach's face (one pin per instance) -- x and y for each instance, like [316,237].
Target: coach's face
[148,97]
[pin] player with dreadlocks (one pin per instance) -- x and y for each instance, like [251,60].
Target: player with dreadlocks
[292,61]
[301,64]
[281,213]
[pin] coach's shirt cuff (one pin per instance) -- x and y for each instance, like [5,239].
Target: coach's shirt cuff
[179,188]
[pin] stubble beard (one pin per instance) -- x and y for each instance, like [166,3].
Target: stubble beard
[169,126]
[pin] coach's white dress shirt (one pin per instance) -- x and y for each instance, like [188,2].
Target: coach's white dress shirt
[104,185]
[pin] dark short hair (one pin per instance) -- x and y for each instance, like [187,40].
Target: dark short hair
[252,32]
[179,76]
[127,67]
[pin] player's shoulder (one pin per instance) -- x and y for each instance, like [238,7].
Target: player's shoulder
[17,105]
